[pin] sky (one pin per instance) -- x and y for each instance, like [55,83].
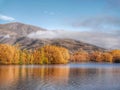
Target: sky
[61,14]
[90,16]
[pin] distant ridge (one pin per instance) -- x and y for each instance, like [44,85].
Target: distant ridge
[19,29]
[16,33]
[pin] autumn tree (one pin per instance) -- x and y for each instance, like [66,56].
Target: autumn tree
[106,57]
[55,54]
[51,55]
[96,56]
[65,54]
[39,56]
[80,56]
[9,54]
[25,57]
[116,55]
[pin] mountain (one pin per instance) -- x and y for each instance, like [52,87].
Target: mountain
[18,29]
[18,33]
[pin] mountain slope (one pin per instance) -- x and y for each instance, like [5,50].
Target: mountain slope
[18,29]
[17,33]
[70,44]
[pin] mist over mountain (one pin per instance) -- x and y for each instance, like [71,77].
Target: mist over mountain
[29,36]
[101,39]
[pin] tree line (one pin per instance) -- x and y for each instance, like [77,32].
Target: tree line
[112,56]
[51,54]
[45,55]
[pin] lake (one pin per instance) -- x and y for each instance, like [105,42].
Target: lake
[84,76]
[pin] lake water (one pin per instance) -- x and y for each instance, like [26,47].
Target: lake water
[86,76]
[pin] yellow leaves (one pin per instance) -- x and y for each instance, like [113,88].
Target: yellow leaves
[96,56]
[53,55]
[13,55]
[107,57]
[116,55]
[37,56]
[80,56]
[65,54]
[8,54]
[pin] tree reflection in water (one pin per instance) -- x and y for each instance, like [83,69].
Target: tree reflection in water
[58,77]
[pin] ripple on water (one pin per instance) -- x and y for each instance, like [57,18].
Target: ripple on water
[86,76]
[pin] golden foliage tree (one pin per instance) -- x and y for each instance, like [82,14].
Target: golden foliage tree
[9,54]
[51,55]
[96,56]
[65,54]
[25,57]
[116,55]
[106,57]
[39,56]
[80,56]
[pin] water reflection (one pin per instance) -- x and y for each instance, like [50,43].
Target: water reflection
[58,77]
[20,76]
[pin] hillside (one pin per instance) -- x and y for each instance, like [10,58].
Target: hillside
[18,29]
[16,33]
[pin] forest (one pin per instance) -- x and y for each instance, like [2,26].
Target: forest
[50,54]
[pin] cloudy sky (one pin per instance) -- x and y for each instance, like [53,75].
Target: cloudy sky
[98,20]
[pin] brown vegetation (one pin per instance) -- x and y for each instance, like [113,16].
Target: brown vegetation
[112,56]
[9,54]
[45,55]
[80,56]
[53,55]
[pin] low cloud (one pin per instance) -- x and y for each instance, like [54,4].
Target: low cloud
[98,23]
[6,18]
[102,39]
[7,36]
